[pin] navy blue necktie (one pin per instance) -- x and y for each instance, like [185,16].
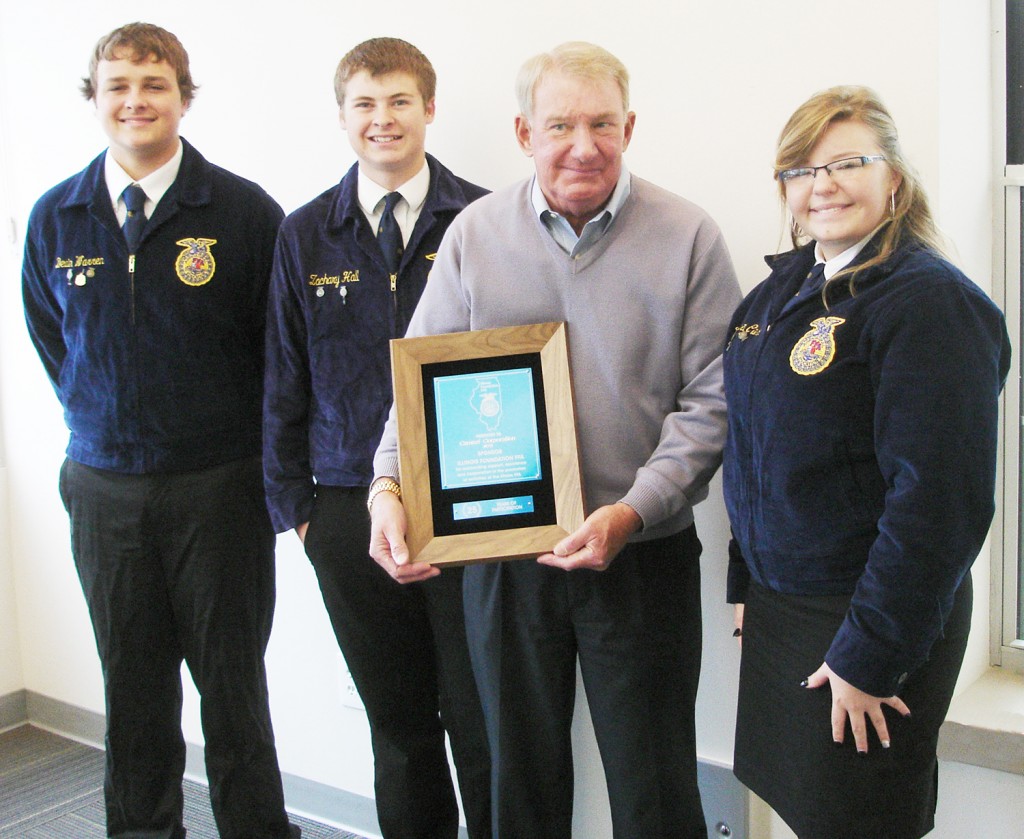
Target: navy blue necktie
[135,222]
[814,281]
[389,235]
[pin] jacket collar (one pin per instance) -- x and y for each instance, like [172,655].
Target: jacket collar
[800,260]
[802,257]
[444,195]
[192,187]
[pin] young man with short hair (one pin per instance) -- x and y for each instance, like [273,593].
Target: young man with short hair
[144,282]
[348,272]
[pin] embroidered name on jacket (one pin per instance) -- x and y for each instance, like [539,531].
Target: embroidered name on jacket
[195,264]
[80,269]
[79,261]
[815,350]
[744,331]
[339,281]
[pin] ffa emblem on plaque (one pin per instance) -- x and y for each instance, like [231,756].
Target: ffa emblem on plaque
[814,352]
[195,264]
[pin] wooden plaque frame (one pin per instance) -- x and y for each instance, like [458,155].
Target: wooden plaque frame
[408,356]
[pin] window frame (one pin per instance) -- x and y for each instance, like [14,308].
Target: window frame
[1007,610]
[1008,646]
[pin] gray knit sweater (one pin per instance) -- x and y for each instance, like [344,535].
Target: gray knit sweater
[647,309]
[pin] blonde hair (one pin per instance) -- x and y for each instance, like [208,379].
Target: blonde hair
[574,58]
[911,218]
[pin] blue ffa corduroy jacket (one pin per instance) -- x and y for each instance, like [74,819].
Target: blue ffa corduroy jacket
[157,361]
[861,450]
[333,311]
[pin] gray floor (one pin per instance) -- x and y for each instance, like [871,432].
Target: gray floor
[52,788]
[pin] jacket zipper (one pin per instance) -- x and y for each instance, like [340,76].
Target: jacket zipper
[133,337]
[131,286]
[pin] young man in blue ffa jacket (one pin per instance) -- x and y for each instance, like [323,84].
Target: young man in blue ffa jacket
[348,272]
[145,280]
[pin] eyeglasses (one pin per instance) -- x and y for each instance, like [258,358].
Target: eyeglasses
[838,170]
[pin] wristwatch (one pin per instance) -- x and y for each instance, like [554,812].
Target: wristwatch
[382,485]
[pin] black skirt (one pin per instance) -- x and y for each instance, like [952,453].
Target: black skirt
[784,749]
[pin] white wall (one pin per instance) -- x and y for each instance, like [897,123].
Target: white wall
[11,679]
[712,85]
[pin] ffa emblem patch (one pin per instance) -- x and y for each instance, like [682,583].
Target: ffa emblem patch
[195,264]
[814,352]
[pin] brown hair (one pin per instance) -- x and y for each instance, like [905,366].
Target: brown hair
[911,219]
[139,42]
[380,56]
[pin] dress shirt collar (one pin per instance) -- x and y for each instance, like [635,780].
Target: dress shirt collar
[838,262]
[155,184]
[560,229]
[414,192]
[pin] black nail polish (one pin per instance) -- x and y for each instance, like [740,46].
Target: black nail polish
[862,753]
[837,743]
[736,633]
[804,683]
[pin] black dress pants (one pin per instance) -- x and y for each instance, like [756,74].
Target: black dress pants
[636,630]
[181,567]
[405,646]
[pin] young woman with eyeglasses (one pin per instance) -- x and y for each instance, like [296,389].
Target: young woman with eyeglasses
[862,379]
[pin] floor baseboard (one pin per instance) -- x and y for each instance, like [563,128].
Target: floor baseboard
[13,709]
[725,802]
[346,810]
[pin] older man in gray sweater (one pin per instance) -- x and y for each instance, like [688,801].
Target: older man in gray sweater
[646,285]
